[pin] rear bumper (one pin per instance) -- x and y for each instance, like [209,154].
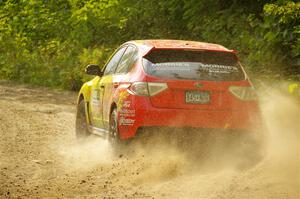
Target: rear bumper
[145,115]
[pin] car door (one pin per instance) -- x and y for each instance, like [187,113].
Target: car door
[95,103]
[97,93]
[118,76]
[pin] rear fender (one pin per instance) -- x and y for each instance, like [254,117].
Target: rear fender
[125,107]
[121,96]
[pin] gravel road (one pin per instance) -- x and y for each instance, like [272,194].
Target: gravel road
[40,157]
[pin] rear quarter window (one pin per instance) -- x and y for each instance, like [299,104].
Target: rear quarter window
[127,60]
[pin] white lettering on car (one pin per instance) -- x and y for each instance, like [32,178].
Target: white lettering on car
[188,66]
[127,112]
[126,121]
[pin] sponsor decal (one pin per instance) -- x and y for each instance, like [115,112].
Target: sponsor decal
[192,66]
[126,104]
[126,121]
[169,66]
[127,112]
[95,96]
[123,95]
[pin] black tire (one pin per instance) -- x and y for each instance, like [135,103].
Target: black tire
[82,130]
[114,137]
[113,128]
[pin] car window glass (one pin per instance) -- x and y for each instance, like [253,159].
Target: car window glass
[113,62]
[133,59]
[126,60]
[193,65]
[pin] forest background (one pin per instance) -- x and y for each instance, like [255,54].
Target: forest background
[49,42]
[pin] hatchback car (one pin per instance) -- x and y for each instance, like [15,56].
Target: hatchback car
[166,83]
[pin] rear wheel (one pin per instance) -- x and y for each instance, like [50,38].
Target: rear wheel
[82,130]
[113,127]
[114,137]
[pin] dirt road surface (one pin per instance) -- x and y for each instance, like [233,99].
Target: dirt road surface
[40,157]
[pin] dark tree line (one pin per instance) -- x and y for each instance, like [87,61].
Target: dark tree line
[49,42]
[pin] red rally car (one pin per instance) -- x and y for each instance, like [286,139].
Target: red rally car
[166,83]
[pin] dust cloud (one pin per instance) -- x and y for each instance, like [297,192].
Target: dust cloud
[40,156]
[282,116]
[212,165]
[85,155]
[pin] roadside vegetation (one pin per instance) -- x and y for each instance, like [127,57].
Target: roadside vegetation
[49,42]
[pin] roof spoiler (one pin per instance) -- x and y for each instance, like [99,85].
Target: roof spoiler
[153,48]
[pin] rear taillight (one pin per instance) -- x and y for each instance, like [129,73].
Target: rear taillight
[139,88]
[147,88]
[155,88]
[245,93]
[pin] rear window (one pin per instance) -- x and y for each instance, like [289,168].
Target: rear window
[193,65]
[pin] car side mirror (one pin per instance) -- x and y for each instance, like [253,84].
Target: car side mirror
[93,69]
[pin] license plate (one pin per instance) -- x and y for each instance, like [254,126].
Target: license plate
[197,97]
